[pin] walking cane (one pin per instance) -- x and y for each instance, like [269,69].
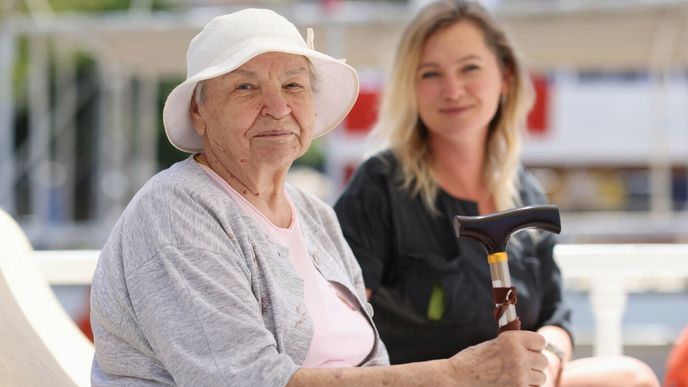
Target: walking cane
[493,232]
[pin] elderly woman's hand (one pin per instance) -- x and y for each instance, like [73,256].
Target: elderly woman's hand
[514,358]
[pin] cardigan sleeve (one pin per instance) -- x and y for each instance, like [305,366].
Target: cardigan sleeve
[183,302]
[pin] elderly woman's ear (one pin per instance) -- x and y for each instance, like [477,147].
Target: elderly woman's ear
[196,118]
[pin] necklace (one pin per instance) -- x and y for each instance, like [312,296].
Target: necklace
[197,158]
[245,191]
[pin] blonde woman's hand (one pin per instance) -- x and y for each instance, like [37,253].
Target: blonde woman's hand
[553,369]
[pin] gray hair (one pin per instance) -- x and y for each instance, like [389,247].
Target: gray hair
[199,92]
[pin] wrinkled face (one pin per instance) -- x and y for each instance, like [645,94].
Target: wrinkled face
[260,113]
[458,82]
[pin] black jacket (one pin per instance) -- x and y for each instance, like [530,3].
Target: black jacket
[405,253]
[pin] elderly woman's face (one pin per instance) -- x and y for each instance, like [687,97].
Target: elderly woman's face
[262,112]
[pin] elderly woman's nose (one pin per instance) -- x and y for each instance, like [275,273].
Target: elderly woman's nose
[275,104]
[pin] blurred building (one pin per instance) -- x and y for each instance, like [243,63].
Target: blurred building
[81,96]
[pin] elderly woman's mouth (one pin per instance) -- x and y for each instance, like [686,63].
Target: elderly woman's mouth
[275,133]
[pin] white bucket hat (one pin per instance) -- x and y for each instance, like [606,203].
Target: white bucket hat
[229,41]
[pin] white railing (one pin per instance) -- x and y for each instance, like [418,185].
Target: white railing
[67,267]
[610,269]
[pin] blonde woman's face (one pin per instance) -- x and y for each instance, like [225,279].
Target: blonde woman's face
[458,83]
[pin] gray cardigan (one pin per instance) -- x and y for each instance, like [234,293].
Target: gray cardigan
[188,291]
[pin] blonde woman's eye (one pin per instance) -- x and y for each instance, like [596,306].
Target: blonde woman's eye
[470,68]
[429,74]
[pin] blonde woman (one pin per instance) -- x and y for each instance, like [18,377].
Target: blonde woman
[456,100]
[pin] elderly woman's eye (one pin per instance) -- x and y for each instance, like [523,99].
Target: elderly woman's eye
[244,86]
[294,85]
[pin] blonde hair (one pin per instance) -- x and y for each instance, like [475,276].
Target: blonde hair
[400,127]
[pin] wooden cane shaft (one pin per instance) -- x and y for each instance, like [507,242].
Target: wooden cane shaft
[501,278]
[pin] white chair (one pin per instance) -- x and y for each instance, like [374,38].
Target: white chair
[40,345]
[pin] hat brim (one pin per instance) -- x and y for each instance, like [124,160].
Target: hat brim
[336,91]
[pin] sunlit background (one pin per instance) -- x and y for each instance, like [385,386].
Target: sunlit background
[82,85]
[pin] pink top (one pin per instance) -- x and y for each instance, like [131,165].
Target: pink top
[342,336]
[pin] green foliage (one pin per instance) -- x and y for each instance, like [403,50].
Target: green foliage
[20,73]
[80,5]
[89,5]
[167,154]
[314,156]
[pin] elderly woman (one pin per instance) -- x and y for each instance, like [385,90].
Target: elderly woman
[451,117]
[220,274]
